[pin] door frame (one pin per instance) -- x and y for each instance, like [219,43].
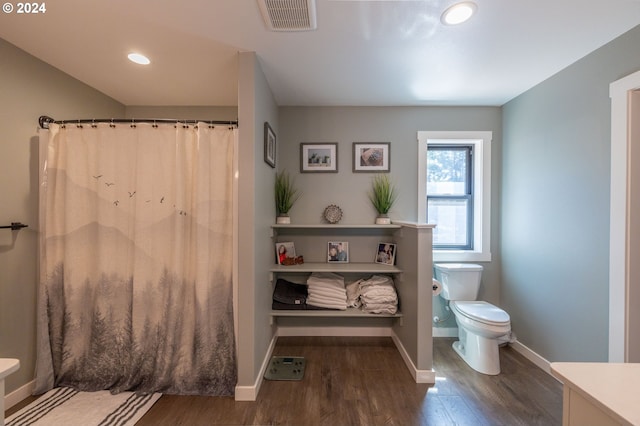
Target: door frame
[619,92]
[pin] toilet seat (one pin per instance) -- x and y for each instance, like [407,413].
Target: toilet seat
[482,312]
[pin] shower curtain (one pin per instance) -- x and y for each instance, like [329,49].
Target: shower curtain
[136,259]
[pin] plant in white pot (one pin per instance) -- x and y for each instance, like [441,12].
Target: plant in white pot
[382,196]
[285,196]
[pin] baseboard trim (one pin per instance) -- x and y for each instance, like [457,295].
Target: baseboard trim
[532,356]
[420,376]
[445,331]
[250,393]
[335,331]
[19,394]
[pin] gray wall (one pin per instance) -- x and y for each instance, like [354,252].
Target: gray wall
[29,88]
[398,125]
[555,206]
[183,112]
[256,214]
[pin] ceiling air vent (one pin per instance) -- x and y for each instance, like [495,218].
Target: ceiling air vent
[289,15]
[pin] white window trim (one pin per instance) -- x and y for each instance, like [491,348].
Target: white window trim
[481,140]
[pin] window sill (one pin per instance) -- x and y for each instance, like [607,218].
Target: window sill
[461,256]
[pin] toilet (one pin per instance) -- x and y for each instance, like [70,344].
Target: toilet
[480,324]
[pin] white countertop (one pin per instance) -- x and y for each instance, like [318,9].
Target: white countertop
[8,366]
[613,387]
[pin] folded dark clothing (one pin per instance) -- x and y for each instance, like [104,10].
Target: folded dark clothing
[279,306]
[290,293]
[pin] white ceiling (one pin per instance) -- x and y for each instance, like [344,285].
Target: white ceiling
[364,52]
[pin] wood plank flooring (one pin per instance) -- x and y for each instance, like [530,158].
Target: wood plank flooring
[363,381]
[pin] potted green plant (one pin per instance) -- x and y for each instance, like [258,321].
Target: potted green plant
[382,196]
[285,196]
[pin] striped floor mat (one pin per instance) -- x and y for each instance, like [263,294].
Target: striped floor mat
[69,407]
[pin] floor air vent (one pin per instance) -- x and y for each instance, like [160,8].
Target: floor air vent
[289,15]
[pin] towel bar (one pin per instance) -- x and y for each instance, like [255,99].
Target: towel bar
[14,226]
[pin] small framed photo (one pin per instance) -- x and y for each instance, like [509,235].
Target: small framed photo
[318,158]
[371,157]
[386,253]
[269,145]
[285,250]
[338,252]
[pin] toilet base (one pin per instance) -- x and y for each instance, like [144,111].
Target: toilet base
[479,353]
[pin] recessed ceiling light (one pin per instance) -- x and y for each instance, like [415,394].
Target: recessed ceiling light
[138,58]
[458,13]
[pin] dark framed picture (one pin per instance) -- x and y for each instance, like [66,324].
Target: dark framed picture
[338,252]
[269,145]
[386,253]
[319,157]
[285,250]
[371,157]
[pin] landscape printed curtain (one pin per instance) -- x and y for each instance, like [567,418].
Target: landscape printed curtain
[136,259]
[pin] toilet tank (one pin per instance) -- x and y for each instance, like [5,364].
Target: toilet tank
[460,281]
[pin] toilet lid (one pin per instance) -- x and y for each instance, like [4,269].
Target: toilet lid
[482,312]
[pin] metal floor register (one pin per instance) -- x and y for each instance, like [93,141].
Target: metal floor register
[285,368]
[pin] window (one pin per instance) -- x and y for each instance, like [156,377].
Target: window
[449,195]
[455,193]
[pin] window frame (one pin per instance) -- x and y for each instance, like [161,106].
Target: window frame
[468,194]
[481,141]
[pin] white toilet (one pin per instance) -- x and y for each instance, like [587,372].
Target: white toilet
[480,324]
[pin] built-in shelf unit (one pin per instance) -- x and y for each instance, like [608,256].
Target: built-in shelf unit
[410,327]
[311,242]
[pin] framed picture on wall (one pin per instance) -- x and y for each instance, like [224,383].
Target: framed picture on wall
[319,157]
[371,157]
[386,253]
[269,145]
[338,252]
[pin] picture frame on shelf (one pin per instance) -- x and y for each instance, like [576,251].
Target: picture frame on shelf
[386,254]
[285,250]
[319,157]
[270,142]
[371,157]
[338,252]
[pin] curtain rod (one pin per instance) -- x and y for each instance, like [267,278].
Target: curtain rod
[44,121]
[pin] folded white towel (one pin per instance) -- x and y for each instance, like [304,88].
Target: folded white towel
[331,304]
[322,299]
[327,279]
[377,280]
[329,292]
[329,295]
[379,301]
[380,295]
[380,308]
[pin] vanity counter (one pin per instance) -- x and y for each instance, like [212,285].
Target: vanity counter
[7,366]
[599,393]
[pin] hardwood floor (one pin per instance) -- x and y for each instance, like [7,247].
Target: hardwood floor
[363,381]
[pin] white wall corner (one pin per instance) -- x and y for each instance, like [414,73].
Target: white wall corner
[250,393]
[420,376]
[534,357]
[19,395]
